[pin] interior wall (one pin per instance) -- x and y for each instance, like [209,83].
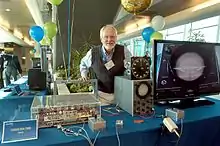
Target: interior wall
[23,52]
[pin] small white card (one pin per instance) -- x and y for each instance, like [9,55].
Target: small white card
[20,130]
[109,65]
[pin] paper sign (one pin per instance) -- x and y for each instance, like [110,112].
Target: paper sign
[21,130]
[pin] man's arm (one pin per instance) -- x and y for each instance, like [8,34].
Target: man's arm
[85,64]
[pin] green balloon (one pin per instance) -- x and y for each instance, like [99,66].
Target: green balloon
[55,2]
[50,29]
[46,41]
[156,36]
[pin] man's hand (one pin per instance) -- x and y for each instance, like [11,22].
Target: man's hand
[84,78]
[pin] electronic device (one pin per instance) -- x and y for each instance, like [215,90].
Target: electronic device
[185,70]
[53,110]
[7,90]
[174,114]
[119,123]
[134,96]
[138,68]
[36,63]
[19,92]
[96,123]
[37,80]
[171,126]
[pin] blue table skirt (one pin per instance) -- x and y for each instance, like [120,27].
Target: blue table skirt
[201,128]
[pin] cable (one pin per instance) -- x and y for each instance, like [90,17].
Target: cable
[69,132]
[159,135]
[181,132]
[80,131]
[96,138]
[116,129]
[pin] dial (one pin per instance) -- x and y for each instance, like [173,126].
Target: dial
[140,68]
[143,90]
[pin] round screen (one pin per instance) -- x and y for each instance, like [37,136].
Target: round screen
[143,90]
[189,66]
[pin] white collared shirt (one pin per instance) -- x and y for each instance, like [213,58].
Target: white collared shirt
[86,61]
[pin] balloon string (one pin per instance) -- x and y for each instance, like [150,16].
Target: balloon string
[61,40]
[69,39]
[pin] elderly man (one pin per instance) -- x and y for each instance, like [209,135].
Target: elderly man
[106,61]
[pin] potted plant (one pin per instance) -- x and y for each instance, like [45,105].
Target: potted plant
[76,56]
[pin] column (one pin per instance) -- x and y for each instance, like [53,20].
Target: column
[54,43]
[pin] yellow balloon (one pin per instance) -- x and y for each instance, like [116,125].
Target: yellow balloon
[156,36]
[45,41]
[136,6]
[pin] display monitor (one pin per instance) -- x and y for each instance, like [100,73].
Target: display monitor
[185,70]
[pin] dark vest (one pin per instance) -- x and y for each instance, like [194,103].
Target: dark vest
[106,77]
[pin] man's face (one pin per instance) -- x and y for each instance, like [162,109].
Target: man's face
[109,38]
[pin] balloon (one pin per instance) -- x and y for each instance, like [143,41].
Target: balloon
[156,36]
[50,29]
[135,6]
[146,33]
[158,23]
[55,2]
[36,33]
[45,41]
[32,51]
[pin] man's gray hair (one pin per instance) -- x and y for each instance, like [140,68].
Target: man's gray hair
[107,26]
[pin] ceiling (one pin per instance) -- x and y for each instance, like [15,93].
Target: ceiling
[17,15]
[162,7]
[89,17]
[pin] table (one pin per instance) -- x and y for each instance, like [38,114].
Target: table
[22,82]
[201,128]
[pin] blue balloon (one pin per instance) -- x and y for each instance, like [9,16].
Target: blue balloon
[146,33]
[36,33]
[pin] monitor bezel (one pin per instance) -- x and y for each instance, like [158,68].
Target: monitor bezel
[154,74]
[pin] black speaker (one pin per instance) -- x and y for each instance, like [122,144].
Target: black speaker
[37,80]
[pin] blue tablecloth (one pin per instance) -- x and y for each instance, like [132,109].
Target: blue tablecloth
[22,82]
[201,128]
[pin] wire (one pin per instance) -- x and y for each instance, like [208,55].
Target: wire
[69,132]
[149,115]
[96,138]
[181,132]
[116,129]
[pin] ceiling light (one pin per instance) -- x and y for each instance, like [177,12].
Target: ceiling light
[7,10]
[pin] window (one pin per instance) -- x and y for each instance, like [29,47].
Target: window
[177,37]
[210,33]
[139,47]
[205,23]
[175,30]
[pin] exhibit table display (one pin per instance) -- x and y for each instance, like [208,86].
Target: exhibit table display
[196,121]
